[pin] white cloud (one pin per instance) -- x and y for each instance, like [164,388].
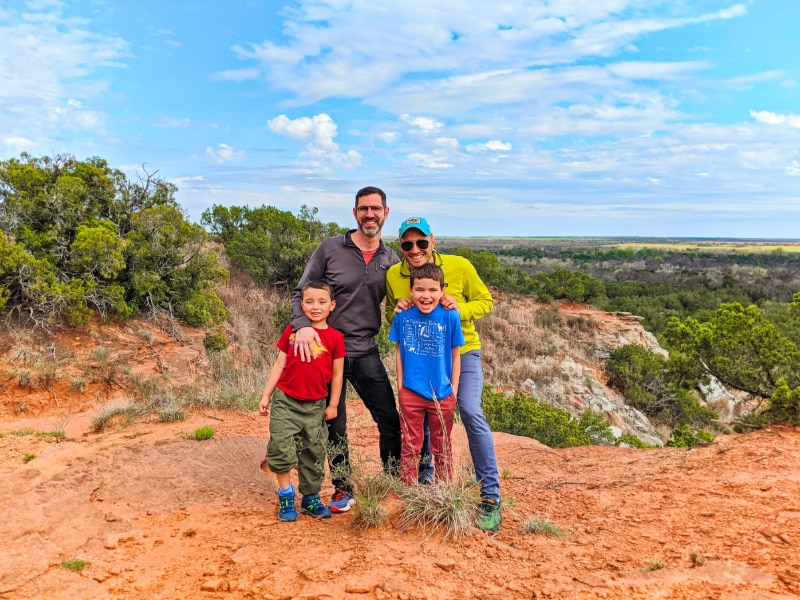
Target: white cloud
[423,125]
[388,137]
[490,146]
[224,153]
[172,123]
[49,67]
[319,131]
[429,161]
[645,69]
[771,118]
[326,54]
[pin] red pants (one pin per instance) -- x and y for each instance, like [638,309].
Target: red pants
[413,409]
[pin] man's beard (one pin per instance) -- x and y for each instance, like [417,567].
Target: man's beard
[372,229]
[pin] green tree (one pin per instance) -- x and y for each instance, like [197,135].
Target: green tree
[661,388]
[575,287]
[494,272]
[740,347]
[78,237]
[272,245]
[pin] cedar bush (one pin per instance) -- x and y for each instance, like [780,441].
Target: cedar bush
[78,238]
[520,414]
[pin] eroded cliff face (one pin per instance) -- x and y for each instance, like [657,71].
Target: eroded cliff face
[557,353]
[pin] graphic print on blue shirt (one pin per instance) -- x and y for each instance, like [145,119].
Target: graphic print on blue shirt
[426,344]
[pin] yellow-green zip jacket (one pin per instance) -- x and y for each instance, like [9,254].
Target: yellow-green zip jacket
[463,283]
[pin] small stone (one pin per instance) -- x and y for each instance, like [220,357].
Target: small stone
[446,564]
[213,585]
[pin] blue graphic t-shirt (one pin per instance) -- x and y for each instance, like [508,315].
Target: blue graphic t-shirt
[426,349]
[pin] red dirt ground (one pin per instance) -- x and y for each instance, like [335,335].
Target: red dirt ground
[160,516]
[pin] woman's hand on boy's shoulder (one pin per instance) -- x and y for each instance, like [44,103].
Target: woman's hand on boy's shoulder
[403,304]
[450,303]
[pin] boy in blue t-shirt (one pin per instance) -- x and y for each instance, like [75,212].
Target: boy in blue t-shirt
[428,366]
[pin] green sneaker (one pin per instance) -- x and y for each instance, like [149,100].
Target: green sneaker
[491,514]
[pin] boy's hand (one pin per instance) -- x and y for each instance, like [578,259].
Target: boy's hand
[263,406]
[330,412]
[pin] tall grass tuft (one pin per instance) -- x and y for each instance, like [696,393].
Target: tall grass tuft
[449,507]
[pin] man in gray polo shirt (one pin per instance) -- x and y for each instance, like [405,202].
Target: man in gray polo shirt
[355,265]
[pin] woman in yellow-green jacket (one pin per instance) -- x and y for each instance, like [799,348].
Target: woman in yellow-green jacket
[467,294]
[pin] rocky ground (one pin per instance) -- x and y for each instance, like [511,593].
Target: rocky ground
[157,515]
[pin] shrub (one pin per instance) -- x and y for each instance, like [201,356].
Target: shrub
[687,436]
[282,316]
[205,432]
[75,564]
[783,406]
[568,285]
[271,245]
[78,238]
[520,414]
[597,427]
[658,386]
[631,441]
[216,342]
[542,526]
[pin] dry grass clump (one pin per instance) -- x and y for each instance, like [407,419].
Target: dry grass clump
[448,507]
[121,413]
[235,377]
[38,361]
[542,526]
[370,491]
[104,367]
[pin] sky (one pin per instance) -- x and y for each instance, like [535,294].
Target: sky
[674,118]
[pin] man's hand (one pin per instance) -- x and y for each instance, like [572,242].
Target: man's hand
[304,339]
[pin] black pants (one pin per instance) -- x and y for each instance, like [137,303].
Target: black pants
[368,377]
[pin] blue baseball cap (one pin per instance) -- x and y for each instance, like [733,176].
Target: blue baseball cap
[415,223]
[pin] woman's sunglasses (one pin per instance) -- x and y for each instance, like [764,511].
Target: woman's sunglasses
[421,244]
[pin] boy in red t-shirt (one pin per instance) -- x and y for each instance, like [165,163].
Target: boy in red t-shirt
[297,431]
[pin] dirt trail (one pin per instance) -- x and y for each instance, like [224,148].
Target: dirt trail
[160,516]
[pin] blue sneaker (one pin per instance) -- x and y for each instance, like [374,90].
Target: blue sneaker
[286,511]
[312,505]
[341,502]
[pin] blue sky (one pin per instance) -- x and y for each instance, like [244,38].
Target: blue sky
[559,117]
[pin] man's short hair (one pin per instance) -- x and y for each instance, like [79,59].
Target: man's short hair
[318,284]
[371,190]
[428,271]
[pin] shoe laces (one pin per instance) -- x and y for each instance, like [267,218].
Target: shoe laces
[489,504]
[313,503]
[340,495]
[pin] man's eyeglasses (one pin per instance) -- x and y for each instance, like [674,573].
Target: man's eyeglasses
[362,210]
[421,244]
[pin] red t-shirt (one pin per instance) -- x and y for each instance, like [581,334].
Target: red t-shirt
[368,254]
[309,380]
